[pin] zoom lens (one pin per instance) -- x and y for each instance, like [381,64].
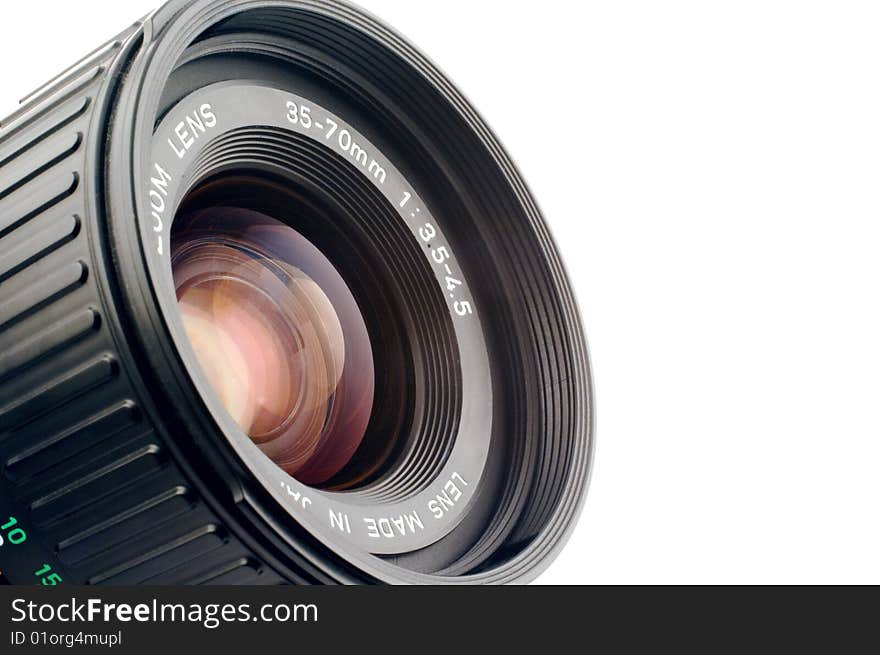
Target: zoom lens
[277,308]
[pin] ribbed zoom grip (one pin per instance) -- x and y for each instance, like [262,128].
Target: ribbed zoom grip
[86,476]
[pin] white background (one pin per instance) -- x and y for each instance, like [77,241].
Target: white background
[711,172]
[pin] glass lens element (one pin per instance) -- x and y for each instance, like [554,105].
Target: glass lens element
[279,336]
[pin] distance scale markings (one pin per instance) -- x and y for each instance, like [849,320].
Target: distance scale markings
[12,535]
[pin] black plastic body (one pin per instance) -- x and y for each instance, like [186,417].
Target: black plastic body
[97,490]
[105,465]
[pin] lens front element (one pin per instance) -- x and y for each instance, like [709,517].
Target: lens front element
[278,335]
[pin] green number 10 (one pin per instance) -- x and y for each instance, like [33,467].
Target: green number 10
[15,535]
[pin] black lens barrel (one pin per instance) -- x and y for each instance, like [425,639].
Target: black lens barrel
[88,475]
[113,468]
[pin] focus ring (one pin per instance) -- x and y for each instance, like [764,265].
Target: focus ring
[85,471]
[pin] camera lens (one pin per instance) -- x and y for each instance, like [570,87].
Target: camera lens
[277,308]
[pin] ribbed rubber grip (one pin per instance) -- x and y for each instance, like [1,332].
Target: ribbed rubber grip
[90,479]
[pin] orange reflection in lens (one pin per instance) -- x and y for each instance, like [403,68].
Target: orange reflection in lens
[288,355]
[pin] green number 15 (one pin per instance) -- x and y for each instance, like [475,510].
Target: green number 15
[47,576]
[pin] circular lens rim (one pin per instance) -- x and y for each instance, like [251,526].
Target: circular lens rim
[171,31]
[362,516]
